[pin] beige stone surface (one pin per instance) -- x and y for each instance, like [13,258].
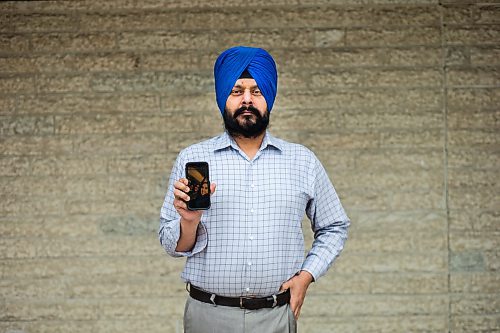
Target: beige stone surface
[398,99]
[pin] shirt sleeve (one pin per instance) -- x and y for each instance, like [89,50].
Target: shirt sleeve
[170,221]
[329,223]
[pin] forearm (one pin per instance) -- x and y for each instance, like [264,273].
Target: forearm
[328,244]
[187,238]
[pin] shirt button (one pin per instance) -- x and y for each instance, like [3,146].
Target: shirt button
[248,289]
[251,237]
[252,186]
[252,210]
[249,263]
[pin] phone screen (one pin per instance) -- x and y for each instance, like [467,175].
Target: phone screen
[199,185]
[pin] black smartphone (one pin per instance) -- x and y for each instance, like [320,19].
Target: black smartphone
[199,185]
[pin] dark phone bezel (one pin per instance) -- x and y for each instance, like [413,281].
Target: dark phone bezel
[201,165]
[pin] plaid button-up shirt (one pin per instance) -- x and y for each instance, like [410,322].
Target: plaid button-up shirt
[250,241]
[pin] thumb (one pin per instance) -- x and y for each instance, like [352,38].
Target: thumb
[212,188]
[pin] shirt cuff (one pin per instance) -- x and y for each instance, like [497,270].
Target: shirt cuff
[314,266]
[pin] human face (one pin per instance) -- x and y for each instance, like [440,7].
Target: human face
[246,110]
[204,188]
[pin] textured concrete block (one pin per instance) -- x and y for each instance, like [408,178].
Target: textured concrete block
[468,157]
[375,305]
[470,261]
[48,326]
[480,138]
[464,178]
[473,99]
[99,145]
[339,283]
[73,42]
[15,125]
[17,85]
[88,268]
[68,166]
[481,282]
[163,41]
[400,241]
[408,284]
[485,56]
[429,36]
[171,60]
[474,304]
[51,226]
[11,206]
[152,81]
[474,219]
[429,221]
[473,76]
[63,83]
[54,309]
[480,198]
[475,323]
[487,14]
[14,43]
[462,119]
[367,99]
[14,166]
[458,15]
[372,262]
[492,260]
[34,22]
[151,163]
[328,16]
[329,38]
[377,78]
[371,199]
[35,145]
[8,104]
[406,323]
[457,56]
[90,103]
[128,21]
[474,240]
[471,35]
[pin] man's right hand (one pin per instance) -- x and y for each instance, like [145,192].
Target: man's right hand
[181,196]
[189,218]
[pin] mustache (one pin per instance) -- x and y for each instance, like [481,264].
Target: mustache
[250,108]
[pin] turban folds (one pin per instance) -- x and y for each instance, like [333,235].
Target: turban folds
[232,62]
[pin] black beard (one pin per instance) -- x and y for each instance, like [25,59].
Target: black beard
[247,128]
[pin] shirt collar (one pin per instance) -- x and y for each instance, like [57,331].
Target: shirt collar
[225,140]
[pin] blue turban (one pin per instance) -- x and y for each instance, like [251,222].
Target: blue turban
[230,65]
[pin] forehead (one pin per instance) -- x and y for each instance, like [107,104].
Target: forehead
[245,83]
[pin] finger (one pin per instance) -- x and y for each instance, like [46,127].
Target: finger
[181,186]
[180,195]
[297,312]
[212,188]
[285,286]
[180,205]
[184,181]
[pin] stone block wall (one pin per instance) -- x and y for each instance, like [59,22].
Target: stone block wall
[399,100]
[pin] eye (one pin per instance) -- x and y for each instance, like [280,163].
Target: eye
[256,92]
[236,92]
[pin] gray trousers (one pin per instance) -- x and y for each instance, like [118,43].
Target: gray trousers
[202,317]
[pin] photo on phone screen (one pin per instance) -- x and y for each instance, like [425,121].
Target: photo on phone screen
[199,185]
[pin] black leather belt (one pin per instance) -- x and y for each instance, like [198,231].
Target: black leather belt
[244,302]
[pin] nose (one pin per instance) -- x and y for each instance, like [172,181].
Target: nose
[247,97]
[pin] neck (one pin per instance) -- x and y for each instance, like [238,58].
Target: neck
[250,146]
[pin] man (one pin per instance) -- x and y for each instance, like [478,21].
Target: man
[245,255]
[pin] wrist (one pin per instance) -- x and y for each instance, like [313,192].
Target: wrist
[306,276]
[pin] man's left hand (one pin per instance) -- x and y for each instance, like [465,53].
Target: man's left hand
[298,286]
